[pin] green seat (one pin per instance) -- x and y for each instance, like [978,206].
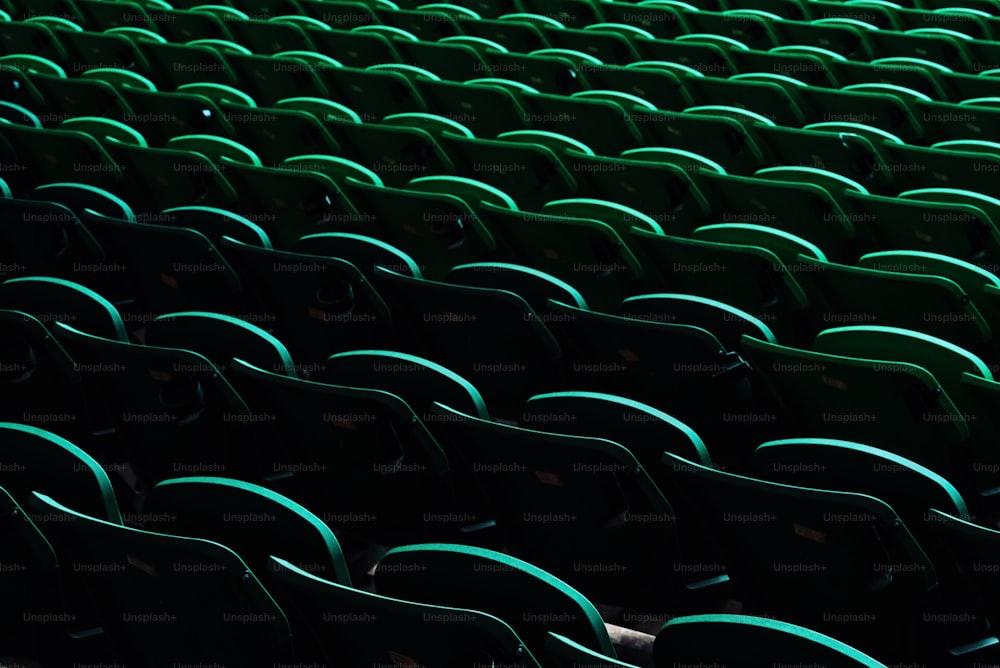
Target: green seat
[484,109]
[219,150]
[432,123]
[474,193]
[973,548]
[15,113]
[646,431]
[847,295]
[786,246]
[363,252]
[515,34]
[397,154]
[565,653]
[955,229]
[373,94]
[716,637]
[749,278]
[850,155]
[82,198]
[979,283]
[664,22]
[704,57]
[458,576]
[545,73]
[361,628]
[41,381]
[133,572]
[680,369]
[803,209]
[276,134]
[534,286]
[451,62]
[532,171]
[169,267]
[39,238]
[909,488]
[55,300]
[583,509]
[103,129]
[587,254]
[161,178]
[944,168]
[29,586]
[31,37]
[160,116]
[514,353]
[620,217]
[609,43]
[851,550]
[351,47]
[203,507]
[180,25]
[601,124]
[358,458]
[172,410]
[270,37]
[214,223]
[988,204]
[725,322]
[55,155]
[446,231]
[765,98]
[220,338]
[895,406]
[37,459]
[96,50]
[658,87]
[79,96]
[944,48]
[724,140]
[271,78]
[885,112]
[417,381]
[647,193]
[316,305]
[297,202]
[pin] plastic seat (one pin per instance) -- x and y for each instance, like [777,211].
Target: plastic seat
[702,636]
[429,634]
[397,154]
[534,286]
[373,94]
[160,116]
[458,576]
[943,310]
[172,410]
[55,155]
[955,229]
[570,505]
[220,338]
[161,178]
[140,567]
[585,253]
[485,110]
[723,321]
[170,267]
[364,252]
[514,356]
[534,172]
[786,246]
[803,209]
[898,407]
[53,300]
[320,305]
[382,455]
[437,230]
[749,278]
